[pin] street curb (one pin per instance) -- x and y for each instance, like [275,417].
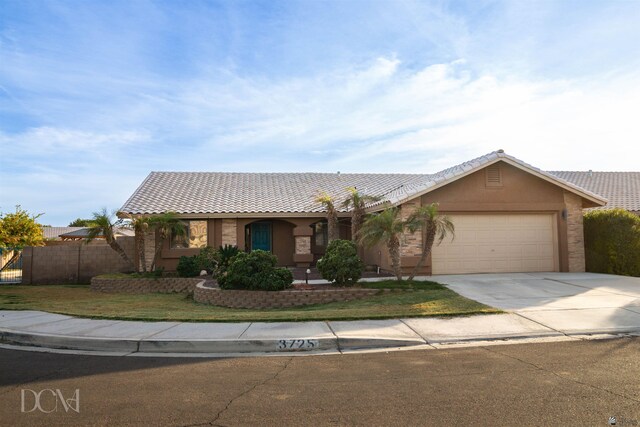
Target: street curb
[150,345]
[67,342]
[230,347]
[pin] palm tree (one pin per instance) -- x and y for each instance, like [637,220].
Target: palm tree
[166,225]
[433,225]
[332,215]
[387,227]
[357,201]
[102,226]
[140,225]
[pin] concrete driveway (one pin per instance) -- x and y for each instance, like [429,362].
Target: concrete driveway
[566,302]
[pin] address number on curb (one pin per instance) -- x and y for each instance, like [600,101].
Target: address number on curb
[291,345]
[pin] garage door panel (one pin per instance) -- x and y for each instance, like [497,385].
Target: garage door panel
[498,243]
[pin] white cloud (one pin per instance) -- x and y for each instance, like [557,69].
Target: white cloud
[48,139]
[384,108]
[380,118]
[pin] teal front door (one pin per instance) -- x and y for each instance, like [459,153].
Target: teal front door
[261,236]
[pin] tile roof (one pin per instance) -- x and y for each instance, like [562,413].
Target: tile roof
[225,193]
[221,192]
[622,189]
[83,232]
[55,232]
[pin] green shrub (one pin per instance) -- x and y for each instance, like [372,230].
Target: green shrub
[612,242]
[207,259]
[224,255]
[188,266]
[255,270]
[341,265]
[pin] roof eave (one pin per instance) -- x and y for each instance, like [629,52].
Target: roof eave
[214,215]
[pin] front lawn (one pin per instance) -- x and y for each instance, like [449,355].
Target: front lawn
[423,299]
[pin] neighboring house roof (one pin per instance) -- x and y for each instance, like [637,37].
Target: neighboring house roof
[622,189]
[246,193]
[83,233]
[55,232]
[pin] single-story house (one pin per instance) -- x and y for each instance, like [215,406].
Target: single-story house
[509,216]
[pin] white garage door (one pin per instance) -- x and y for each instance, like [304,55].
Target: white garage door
[498,243]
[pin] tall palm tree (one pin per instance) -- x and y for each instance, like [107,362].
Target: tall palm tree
[165,225]
[140,225]
[102,226]
[385,227]
[433,226]
[332,215]
[357,202]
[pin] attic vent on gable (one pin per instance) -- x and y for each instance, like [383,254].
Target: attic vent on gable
[493,176]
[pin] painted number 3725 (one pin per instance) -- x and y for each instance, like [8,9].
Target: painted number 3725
[288,345]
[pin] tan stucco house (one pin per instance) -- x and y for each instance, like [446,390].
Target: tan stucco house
[509,216]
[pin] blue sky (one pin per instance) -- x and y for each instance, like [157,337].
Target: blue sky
[95,95]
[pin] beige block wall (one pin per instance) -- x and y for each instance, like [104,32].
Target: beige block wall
[575,232]
[74,263]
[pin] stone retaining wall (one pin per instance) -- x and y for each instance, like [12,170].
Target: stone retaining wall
[277,299]
[165,285]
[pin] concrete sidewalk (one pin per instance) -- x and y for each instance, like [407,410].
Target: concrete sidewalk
[54,331]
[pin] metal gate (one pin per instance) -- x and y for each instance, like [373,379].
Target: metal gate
[10,265]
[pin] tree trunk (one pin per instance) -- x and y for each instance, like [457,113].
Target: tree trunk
[356,223]
[394,252]
[157,252]
[426,249]
[332,225]
[141,249]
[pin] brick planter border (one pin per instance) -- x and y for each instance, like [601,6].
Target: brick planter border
[278,299]
[165,285]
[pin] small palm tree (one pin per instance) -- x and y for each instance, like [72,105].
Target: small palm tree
[357,202]
[434,227]
[166,225]
[332,215]
[102,226]
[386,227]
[140,225]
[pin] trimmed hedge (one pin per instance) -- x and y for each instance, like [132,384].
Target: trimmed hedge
[341,265]
[612,242]
[255,271]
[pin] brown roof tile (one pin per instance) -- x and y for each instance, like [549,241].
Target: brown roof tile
[621,189]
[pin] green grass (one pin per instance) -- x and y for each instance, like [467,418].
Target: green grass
[421,300]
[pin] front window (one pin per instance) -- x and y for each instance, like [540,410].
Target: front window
[195,236]
[320,233]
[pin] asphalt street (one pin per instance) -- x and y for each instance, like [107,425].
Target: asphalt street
[561,383]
